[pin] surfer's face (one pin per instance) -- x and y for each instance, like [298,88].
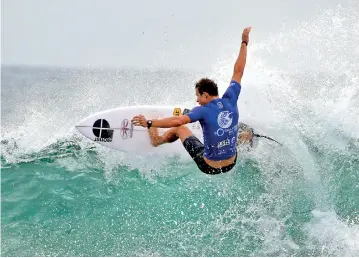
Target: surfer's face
[202,99]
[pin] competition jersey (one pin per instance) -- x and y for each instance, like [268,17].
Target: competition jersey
[219,121]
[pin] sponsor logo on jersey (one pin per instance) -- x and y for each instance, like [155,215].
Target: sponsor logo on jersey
[225,119]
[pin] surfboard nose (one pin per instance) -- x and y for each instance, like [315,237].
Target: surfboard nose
[85,130]
[85,127]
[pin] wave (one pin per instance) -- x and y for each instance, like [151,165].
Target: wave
[300,87]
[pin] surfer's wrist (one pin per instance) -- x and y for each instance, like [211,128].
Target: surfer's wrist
[149,123]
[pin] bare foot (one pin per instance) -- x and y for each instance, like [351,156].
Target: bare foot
[245,137]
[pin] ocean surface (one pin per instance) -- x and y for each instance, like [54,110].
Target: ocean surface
[63,195]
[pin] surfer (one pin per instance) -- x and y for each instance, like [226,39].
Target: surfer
[217,116]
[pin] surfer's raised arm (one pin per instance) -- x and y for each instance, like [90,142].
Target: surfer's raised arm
[241,60]
[234,89]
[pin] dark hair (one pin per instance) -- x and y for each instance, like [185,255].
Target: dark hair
[207,85]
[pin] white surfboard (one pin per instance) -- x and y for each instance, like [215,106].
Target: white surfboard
[113,128]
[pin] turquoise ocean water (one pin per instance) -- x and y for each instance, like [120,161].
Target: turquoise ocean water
[62,195]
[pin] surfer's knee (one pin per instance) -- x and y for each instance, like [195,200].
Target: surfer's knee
[183,132]
[181,129]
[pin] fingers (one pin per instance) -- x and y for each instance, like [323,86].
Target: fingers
[247,30]
[138,117]
[138,120]
[245,34]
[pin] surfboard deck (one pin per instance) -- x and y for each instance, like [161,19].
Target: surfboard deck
[113,128]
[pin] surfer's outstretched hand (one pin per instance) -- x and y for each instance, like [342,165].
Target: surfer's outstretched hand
[139,120]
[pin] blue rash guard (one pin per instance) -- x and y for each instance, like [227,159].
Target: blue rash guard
[219,121]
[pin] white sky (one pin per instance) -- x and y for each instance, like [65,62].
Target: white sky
[140,33]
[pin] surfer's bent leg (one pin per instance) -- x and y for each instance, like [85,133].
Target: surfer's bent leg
[169,136]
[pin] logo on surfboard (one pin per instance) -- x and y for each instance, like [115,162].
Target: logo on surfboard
[101,129]
[177,112]
[126,129]
[186,111]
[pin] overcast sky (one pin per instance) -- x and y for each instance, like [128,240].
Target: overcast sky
[139,33]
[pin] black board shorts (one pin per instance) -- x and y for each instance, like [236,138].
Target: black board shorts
[195,148]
